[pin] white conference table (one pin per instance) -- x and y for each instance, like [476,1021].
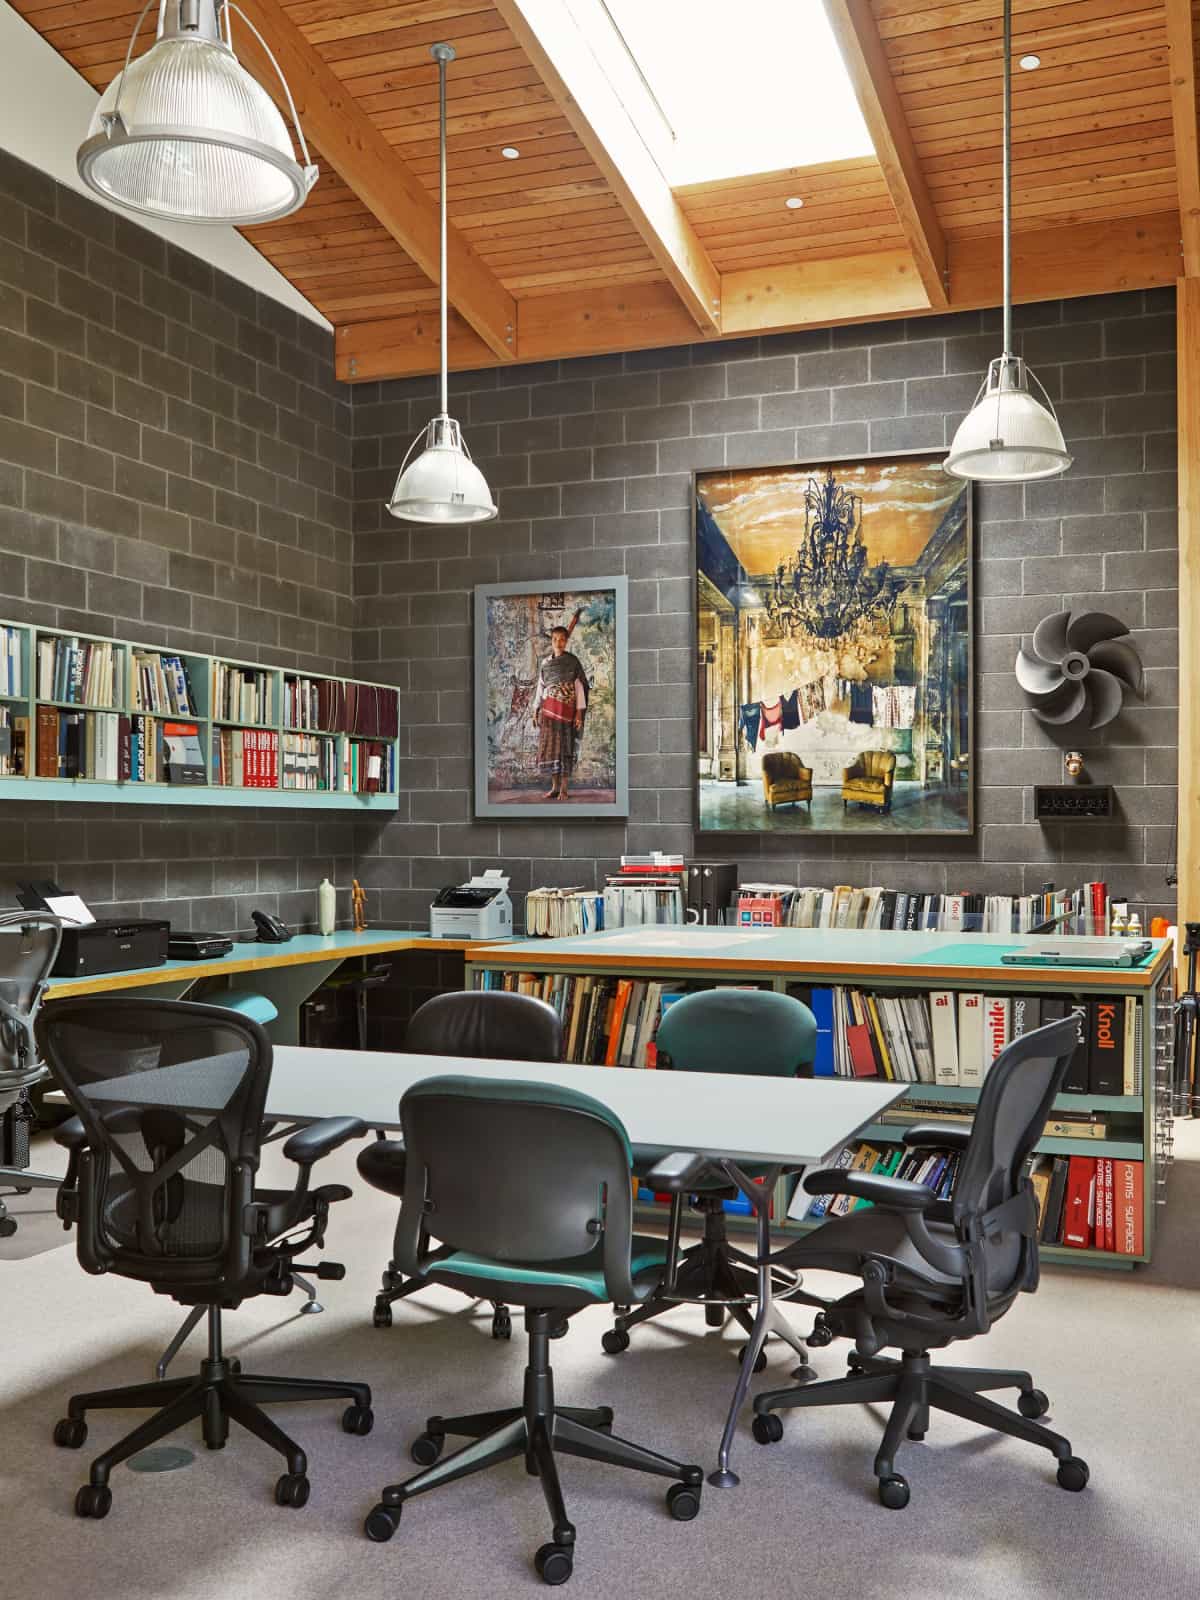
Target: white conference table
[739,1122]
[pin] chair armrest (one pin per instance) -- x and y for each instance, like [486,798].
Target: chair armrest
[896,1194]
[72,1134]
[851,772]
[678,1173]
[319,1138]
[934,1135]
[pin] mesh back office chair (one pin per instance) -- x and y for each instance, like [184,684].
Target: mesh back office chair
[168,1196]
[937,1271]
[493,1024]
[529,1188]
[730,1031]
[29,943]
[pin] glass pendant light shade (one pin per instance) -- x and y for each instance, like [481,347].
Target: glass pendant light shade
[1009,435]
[443,484]
[185,132]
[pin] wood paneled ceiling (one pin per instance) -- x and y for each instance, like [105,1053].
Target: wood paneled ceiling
[579,245]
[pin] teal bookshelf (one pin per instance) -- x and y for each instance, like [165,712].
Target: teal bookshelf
[201,674]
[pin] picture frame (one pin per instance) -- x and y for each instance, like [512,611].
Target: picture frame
[783,615]
[572,762]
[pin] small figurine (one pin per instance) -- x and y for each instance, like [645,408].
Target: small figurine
[358,901]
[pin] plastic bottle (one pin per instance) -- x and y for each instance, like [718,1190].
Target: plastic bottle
[326,907]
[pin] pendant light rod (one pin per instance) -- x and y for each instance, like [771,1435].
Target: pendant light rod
[443,54]
[1006,186]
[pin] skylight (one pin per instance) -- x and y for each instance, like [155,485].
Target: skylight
[734,86]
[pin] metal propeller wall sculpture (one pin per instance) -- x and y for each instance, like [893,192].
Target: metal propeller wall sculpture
[1080,667]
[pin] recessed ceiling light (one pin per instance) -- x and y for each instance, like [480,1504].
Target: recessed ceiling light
[793,202]
[510,152]
[1030,63]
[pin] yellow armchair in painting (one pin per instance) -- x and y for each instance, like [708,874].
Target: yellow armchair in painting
[786,780]
[869,781]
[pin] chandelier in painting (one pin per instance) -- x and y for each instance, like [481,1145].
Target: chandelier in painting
[829,590]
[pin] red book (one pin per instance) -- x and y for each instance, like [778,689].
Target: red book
[862,1056]
[1128,1207]
[1098,1218]
[1079,1207]
[1110,1206]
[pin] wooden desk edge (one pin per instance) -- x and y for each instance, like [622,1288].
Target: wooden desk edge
[265,957]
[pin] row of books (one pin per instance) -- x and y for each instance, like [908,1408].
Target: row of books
[368,767]
[112,747]
[12,678]
[160,685]
[245,758]
[309,762]
[952,1038]
[637,896]
[14,738]
[607,1021]
[78,673]
[936,1169]
[1086,910]
[562,913]
[1090,1203]
[242,694]
[334,706]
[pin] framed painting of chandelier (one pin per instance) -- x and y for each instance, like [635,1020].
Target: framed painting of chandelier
[834,648]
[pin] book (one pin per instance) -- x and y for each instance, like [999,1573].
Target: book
[1128,1208]
[822,1010]
[997,1020]
[970,1039]
[1026,1015]
[1079,1207]
[1052,1223]
[1106,1038]
[1132,1039]
[185,759]
[945,1037]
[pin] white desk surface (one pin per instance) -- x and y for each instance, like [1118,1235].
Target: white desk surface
[745,1119]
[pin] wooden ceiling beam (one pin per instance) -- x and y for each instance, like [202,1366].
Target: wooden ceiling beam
[1181,43]
[359,152]
[862,50]
[549,35]
[1055,263]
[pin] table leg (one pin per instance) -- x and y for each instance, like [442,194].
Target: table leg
[766,1317]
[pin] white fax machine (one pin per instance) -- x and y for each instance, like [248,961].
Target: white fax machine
[477,909]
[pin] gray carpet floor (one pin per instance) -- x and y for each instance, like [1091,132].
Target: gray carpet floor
[1117,1353]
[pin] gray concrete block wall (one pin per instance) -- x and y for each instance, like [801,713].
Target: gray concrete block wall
[591,460]
[174,468]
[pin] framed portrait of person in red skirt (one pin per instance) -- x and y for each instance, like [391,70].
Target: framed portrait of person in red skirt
[551,699]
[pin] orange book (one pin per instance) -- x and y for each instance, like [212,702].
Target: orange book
[616,1021]
[1128,1207]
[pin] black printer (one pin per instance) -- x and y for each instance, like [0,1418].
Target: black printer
[90,948]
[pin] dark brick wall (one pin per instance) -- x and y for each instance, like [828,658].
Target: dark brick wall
[174,468]
[591,460]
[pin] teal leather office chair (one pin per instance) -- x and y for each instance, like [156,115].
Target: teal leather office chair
[734,1032]
[529,1188]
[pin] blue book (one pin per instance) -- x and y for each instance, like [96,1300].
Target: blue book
[821,1005]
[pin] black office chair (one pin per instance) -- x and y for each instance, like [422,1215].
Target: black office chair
[493,1024]
[937,1271]
[168,1196]
[729,1031]
[29,943]
[528,1189]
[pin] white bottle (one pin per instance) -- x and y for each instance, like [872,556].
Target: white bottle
[326,907]
[1134,926]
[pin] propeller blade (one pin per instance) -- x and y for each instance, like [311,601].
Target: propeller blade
[1087,628]
[1121,659]
[1050,637]
[1037,677]
[1106,696]
[1062,706]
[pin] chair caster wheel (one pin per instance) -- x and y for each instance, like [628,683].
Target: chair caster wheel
[760,1362]
[819,1337]
[291,1489]
[683,1501]
[554,1563]
[916,1435]
[614,1341]
[235,1367]
[8,1226]
[714,1316]
[1033,1404]
[767,1429]
[893,1492]
[381,1317]
[1073,1474]
[426,1448]
[71,1433]
[93,1500]
[855,1362]
[358,1419]
[381,1523]
[501,1325]
[559,1330]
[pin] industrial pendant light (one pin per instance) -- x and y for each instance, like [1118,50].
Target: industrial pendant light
[1009,435]
[443,484]
[186,134]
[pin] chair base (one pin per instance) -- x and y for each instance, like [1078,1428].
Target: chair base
[220,1395]
[915,1387]
[19,1180]
[538,1430]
